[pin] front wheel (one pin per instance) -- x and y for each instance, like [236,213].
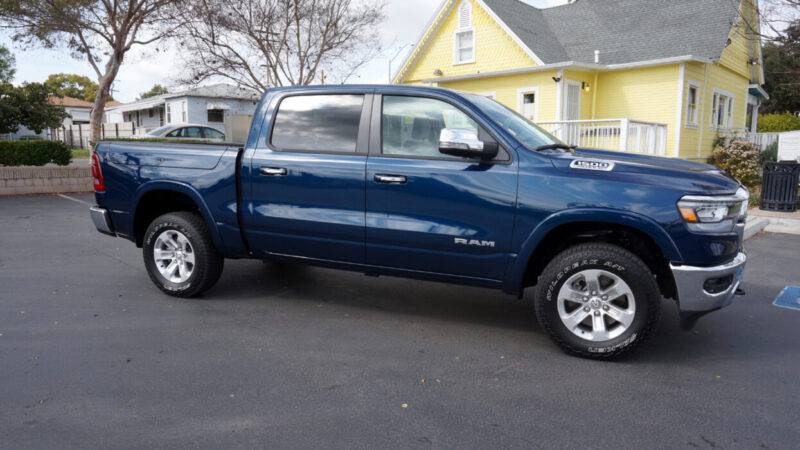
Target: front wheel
[597,301]
[180,256]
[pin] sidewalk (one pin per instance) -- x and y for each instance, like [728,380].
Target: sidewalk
[771,221]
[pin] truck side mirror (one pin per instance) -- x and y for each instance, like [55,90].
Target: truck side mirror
[465,144]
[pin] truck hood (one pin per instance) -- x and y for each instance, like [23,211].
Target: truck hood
[691,177]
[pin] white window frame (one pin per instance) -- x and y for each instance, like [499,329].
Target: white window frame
[169,113]
[520,100]
[695,121]
[184,112]
[463,30]
[456,50]
[730,109]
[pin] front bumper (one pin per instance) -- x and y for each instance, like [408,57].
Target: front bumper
[102,220]
[692,282]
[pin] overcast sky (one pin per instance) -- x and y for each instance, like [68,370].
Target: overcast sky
[404,22]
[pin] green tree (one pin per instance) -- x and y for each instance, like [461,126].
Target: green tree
[100,32]
[28,105]
[782,72]
[6,64]
[157,89]
[72,85]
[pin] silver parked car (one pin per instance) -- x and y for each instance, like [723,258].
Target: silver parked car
[186,131]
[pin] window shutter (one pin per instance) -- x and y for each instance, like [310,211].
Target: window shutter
[465,15]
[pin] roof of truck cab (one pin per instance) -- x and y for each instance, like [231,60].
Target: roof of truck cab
[364,88]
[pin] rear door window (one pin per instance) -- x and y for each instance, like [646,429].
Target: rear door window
[318,123]
[211,133]
[192,133]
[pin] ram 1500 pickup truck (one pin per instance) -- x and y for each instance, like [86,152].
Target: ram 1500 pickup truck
[433,184]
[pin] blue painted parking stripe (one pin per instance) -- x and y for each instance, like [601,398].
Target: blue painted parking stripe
[788,298]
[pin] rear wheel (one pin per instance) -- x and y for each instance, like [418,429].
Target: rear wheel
[180,256]
[597,301]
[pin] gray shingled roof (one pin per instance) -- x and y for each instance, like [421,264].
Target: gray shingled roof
[624,31]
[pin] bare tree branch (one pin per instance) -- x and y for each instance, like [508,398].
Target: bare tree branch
[264,43]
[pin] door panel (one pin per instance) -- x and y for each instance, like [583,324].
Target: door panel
[572,100]
[308,205]
[453,217]
[307,196]
[431,212]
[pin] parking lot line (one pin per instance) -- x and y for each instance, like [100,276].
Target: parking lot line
[74,199]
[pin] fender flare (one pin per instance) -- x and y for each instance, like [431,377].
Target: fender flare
[189,191]
[644,224]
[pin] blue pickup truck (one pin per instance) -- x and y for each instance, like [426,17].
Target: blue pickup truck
[433,184]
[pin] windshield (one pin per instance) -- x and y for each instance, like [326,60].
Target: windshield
[158,131]
[530,135]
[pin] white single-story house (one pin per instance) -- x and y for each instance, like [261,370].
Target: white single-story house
[220,106]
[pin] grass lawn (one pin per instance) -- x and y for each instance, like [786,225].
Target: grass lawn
[79,154]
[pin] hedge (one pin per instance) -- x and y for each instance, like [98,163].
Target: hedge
[34,153]
[778,122]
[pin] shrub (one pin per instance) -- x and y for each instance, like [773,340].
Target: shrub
[34,153]
[777,122]
[770,154]
[741,160]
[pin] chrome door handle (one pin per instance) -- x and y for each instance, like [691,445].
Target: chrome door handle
[273,171]
[391,179]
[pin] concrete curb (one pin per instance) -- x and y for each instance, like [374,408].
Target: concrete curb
[755,225]
[45,180]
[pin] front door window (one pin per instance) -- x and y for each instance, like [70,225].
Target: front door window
[411,125]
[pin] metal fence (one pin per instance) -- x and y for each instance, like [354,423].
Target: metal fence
[78,136]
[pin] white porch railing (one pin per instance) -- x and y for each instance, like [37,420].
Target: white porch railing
[624,135]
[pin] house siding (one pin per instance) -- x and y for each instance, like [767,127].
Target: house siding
[697,142]
[690,135]
[506,89]
[648,94]
[653,94]
[494,48]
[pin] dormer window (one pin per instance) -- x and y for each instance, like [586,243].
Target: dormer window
[464,38]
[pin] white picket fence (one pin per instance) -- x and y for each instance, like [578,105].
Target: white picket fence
[624,135]
[762,140]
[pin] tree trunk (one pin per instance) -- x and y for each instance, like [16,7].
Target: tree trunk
[99,108]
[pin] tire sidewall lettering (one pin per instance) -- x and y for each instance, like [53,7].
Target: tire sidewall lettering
[576,267]
[149,243]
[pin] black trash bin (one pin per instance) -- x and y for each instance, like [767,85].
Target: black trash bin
[779,188]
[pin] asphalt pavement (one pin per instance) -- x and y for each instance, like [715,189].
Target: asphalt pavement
[281,356]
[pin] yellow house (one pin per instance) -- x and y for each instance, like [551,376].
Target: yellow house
[662,77]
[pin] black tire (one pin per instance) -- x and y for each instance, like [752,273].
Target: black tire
[610,259]
[208,262]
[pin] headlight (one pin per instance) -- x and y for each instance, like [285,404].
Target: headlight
[710,214]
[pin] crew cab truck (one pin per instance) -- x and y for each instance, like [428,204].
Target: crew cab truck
[433,184]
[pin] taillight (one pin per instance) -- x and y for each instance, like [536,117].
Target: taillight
[97,174]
